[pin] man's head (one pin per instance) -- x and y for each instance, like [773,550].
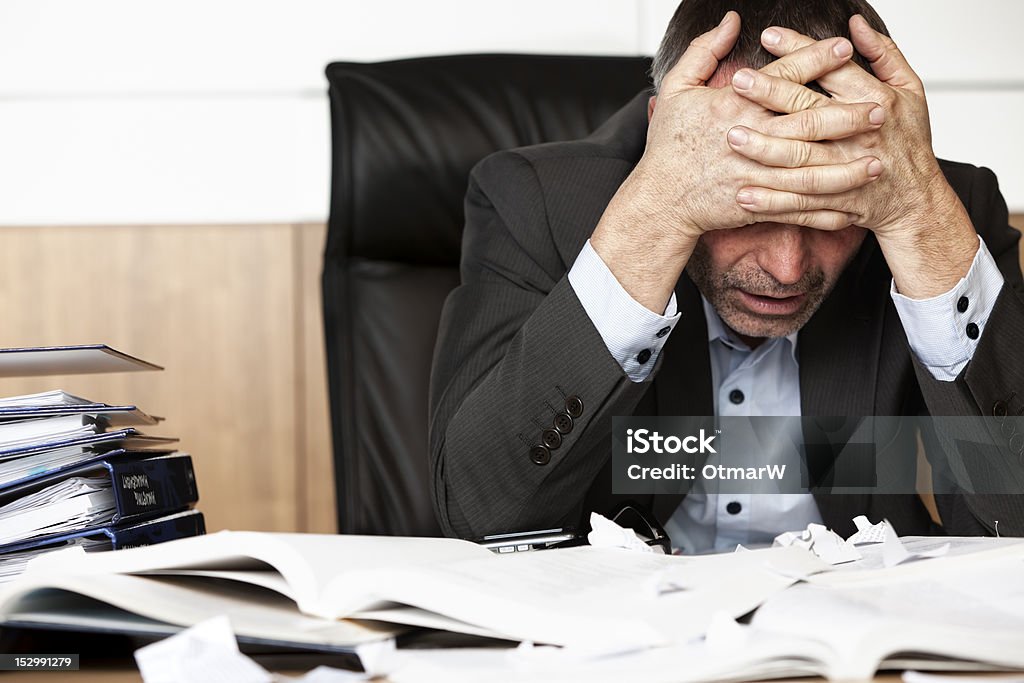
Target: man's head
[818,19]
[767,279]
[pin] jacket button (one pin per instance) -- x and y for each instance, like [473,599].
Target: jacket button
[574,406]
[999,409]
[540,455]
[962,304]
[563,423]
[551,438]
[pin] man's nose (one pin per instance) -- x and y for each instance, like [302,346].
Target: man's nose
[783,253]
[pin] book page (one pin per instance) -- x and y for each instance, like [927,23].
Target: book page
[306,563]
[967,615]
[254,612]
[596,598]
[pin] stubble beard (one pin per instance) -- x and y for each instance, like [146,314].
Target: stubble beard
[721,291]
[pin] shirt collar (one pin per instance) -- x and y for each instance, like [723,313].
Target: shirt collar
[718,330]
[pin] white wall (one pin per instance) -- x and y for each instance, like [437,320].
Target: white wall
[134,111]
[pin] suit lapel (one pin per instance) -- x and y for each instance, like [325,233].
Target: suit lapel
[683,385]
[838,351]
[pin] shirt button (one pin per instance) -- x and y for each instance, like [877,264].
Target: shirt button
[972,331]
[551,438]
[574,406]
[662,332]
[962,304]
[736,396]
[733,508]
[540,455]
[643,356]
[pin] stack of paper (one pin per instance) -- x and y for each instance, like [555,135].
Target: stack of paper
[79,472]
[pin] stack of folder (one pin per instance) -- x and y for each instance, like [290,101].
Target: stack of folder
[77,472]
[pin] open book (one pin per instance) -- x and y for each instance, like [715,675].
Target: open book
[295,588]
[960,612]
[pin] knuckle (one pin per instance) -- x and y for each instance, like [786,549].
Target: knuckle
[801,154]
[786,70]
[809,124]
[810,180]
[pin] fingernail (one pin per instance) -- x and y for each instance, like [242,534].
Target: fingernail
[723,19]
[738,136]
[852,218]
[877,116]
[743,80]
[842,49]
[745,197]
[875,168]
[771,37]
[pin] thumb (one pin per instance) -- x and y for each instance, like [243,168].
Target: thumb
[701,58]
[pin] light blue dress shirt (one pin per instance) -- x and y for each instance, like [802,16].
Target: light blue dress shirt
[767,382]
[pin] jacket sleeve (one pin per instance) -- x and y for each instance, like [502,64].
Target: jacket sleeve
[992,383]
[516,349]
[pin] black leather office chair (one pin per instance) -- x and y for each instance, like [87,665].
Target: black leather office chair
[405,136]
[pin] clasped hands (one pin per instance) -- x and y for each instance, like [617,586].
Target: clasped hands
[767,148]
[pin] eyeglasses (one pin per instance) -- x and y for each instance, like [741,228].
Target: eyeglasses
[1008,427]
[637,517]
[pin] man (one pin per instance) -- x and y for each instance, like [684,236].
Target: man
[740,244]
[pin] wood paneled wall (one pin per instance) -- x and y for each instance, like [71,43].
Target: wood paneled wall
[232,313]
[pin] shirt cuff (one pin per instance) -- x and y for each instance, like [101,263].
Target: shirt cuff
[633,334]
[944,330]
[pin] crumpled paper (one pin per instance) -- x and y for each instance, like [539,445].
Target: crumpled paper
[607,534]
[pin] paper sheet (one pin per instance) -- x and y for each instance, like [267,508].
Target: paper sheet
[823,542]
[206,652]
[607,534]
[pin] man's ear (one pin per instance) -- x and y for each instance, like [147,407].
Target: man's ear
[650,107]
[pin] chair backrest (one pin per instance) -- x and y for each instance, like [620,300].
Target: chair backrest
[405,136]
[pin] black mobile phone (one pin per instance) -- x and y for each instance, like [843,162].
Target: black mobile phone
[525,541]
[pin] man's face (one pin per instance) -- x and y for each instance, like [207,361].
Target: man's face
[768,279]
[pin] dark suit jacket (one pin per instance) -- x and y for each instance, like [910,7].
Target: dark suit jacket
[514,342]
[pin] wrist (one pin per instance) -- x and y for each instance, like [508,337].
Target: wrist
[644,244]
[932,248]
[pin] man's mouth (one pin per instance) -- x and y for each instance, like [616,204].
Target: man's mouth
[764,304]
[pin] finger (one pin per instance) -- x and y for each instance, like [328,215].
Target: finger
[769,202]
[781,152]
[819,220]
[775,93]
[817,180]
[834,122]
[811,61]
[701,58]
[887,61]
[849,81]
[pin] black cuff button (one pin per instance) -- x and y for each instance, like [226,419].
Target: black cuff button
[734,508]
[551,438]
[962,304]
[973,331]
[643,356]
[736,396]
[574,406]
[563,423]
